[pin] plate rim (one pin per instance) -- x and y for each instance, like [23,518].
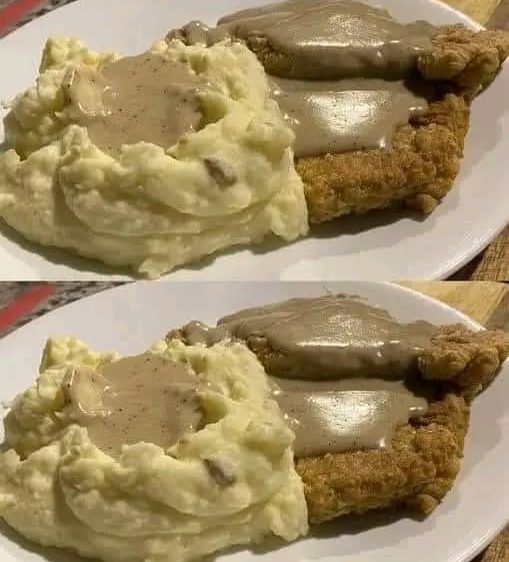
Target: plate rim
[127,286]
[76,3]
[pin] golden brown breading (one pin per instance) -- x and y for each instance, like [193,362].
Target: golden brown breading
[426,452]
[469,59]
[469,360]
[418,471]
[424,459]
[460,360]
[418,170]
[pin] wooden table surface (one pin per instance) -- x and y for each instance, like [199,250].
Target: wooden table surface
[488,303]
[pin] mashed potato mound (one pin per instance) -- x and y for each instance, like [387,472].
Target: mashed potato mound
[58,489]
[152,208]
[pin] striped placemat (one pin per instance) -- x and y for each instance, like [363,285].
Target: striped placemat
[14,13]
[22,302]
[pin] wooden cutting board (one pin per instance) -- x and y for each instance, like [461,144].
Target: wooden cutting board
[488,303]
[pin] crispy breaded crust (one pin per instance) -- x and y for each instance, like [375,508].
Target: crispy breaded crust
[426,452]
[469,59]
[425,455]
[424,459]
[467,360]
[418,170]
[417,472]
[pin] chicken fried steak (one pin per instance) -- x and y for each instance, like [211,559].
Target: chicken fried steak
[380,408]
[380,108]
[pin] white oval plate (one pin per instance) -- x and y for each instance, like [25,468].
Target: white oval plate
[382,246]
[130,317]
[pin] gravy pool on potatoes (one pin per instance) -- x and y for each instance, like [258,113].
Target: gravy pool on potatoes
[143,98]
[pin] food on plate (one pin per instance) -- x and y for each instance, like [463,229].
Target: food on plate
[278,117]
[149,161]
[380,408]
[165,456]
[380,108]
[279,416]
